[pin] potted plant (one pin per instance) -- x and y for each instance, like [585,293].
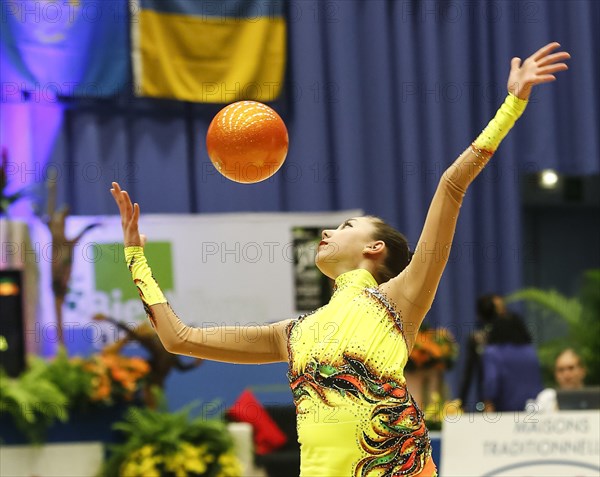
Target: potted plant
[32,402]
[160,443]
[579,316]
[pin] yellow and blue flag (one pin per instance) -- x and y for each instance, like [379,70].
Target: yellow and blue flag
[51,48]
[210,51]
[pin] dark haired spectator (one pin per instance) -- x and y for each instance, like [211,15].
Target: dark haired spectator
[511,369]
[489,307]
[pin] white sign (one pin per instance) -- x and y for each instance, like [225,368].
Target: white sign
[522,444]
[215,269]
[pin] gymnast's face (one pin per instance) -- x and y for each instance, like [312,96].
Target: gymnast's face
[343,249]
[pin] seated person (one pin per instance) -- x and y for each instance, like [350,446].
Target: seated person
[511,369]
[569,374]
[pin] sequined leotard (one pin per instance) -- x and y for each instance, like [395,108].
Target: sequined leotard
[355,416]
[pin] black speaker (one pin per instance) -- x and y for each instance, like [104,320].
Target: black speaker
[12,340]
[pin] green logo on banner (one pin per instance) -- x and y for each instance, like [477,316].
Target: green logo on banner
[112,273]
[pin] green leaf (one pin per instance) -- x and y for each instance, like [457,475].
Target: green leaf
[568,309]
[32,401]
[580,314]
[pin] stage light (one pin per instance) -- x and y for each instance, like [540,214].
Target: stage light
[548,179]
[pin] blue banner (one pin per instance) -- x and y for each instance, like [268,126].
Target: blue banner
[53,48]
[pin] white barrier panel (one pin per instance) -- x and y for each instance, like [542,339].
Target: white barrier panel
[522,444]
[52,460]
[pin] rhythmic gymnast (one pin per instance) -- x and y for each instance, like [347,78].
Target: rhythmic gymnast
[355,414]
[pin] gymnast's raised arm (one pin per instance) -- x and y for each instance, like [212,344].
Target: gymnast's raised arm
[414,288]
[260,344]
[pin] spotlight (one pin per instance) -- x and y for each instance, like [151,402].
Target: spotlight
[548,179]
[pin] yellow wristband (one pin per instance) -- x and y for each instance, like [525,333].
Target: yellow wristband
[150,292]
[498,128]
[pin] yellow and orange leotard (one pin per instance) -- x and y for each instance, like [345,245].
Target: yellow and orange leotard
[346,362]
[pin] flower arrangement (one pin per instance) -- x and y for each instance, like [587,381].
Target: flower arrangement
[156,442]
[49,390]
[186,460]
[171,444]
[434,348]
[115,377]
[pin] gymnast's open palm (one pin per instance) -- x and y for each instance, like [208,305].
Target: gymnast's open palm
[537,69]
[130,214]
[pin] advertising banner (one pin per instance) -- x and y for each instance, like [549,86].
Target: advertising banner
[215,269]
[522,444]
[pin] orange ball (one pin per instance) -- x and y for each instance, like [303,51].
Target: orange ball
[247,142]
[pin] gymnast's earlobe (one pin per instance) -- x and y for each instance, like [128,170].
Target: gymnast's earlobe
[375,246]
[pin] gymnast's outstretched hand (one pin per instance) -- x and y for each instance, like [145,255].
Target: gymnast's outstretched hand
[130,214]
[537,69]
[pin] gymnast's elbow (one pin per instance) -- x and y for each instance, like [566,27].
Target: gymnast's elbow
[173,345]
[453,184]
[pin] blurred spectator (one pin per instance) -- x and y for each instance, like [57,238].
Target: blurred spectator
[489,307]
[511,369]
[569,373]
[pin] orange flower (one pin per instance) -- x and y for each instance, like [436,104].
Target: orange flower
[140,365]
[433,348]
[119,374]
[115,376]
[102,388]
[109,359]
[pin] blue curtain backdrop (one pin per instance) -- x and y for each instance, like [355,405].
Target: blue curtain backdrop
[380,97]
